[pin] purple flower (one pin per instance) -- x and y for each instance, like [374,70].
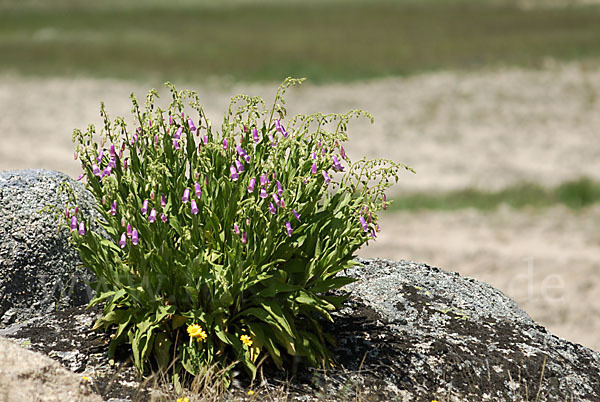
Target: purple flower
[336,164]
[113,210]
[113,162]
[279,189]
[272,208]
[75,155]
[194,207]
[129,230]
[178,133]
[113,152]
[149,123]
[234,173]
[107,171]
[239,166]
[205,139]
[186,195]
[156,140]
[243,153]
[152,195]
[163,217]
[273,144]
[384,202]
[198,190]
[170,120]
[244,237]
[225,144]
[313,155]
[81,230]
[73,223]
[255,134]
[280,128]
[281,203]
[96,170]
[314,168]
[251,185]
[123,241]
[163,201]
[240,151]
[373,235]
[152,217]
[191,125]
[99,158]
[236,228]
[175,144]
[80,177]
[326,177]
[144,207]
[263,193]
[135,238]
[342,152]
[263,180]
[125,164]
[288,228]
[276,198]
[364,225]
[296,214]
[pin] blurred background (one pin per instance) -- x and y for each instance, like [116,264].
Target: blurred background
[495,104]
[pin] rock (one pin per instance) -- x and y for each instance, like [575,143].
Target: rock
[30,376]
[408,332]
[39,270]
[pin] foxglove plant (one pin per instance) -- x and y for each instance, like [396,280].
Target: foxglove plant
[230,272]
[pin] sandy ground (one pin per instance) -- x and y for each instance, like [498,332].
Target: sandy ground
[486,129]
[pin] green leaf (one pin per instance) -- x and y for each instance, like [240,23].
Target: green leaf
[331,283]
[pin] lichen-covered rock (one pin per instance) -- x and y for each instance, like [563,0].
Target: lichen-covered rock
[409,332]
[455,338]
[39,269]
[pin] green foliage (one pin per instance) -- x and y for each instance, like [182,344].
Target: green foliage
[218,247]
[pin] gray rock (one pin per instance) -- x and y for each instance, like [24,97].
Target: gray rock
[39,269]
[408,332]
[455,338]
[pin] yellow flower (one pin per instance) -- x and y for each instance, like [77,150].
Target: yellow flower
[86,378]
[197,332]
[184,399]
[246,340]
[250,392]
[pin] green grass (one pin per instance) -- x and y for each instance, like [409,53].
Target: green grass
[325,40]
[574,194]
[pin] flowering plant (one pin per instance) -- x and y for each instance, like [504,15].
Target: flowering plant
[222,247]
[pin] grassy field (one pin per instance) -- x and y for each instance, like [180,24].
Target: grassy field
[576,194]
[267,41]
